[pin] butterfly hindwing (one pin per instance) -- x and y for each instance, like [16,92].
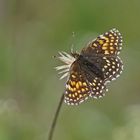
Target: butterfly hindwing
[112,68]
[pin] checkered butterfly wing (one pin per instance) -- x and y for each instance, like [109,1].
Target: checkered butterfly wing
[112,68]
[81,84]
[103,52]
[108,43]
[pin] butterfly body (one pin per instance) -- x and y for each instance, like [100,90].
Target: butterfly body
[96,65]
[91,65]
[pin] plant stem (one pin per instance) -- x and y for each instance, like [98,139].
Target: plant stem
[55,118]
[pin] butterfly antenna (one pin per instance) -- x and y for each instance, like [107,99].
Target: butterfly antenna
[51,132]
[72,46]
[73,52]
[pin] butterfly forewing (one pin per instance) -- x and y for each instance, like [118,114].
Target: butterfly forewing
[77,89]
[108,43]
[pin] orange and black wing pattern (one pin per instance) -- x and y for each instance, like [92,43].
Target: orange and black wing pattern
[81,85]
[109,43]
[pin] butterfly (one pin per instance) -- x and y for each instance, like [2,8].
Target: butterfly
[89,71]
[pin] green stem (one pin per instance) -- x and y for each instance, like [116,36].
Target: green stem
[55,118]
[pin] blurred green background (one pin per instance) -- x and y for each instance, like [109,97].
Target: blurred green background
[31,33]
